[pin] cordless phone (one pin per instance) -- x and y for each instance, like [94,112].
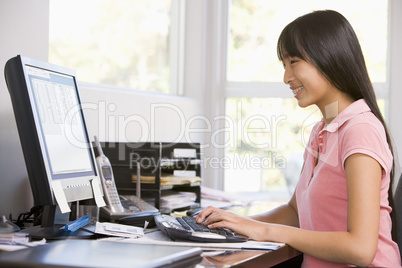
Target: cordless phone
[107,178]
[129,209]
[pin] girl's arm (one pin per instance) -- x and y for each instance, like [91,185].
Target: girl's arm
[357,245]
[285,214]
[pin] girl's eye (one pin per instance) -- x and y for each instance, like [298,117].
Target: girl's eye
[293,61]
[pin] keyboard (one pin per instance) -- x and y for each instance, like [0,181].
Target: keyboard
[186,228]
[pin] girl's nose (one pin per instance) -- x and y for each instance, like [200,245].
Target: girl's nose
[287,76]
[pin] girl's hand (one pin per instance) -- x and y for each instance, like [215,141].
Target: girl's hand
[215,218]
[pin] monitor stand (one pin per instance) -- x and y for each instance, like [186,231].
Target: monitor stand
[51,231]
[55,233]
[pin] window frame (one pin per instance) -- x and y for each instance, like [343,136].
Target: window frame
[175,53]
[215,23]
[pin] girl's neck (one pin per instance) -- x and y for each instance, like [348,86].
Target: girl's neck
[333,109]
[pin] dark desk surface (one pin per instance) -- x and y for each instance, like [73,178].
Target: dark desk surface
[124,253]
[251,258]
[92,253]
[102,254]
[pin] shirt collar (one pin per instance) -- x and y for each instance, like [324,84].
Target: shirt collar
[357,107]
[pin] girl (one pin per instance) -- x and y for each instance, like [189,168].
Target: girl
[339,214]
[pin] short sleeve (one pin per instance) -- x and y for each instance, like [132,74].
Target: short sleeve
[368,139]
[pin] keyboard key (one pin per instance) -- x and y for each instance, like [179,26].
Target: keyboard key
[183,223]
[191,230]
[194,225]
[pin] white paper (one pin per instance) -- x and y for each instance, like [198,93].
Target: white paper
[120,230]
[22,246]
[158,238]
[185,173]
[60,196]
[100,202]
[184,153]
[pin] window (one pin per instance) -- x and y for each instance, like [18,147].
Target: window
[121,43]
[270,129]
[256,25]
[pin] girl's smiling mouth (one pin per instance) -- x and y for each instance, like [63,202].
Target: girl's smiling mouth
[296,90]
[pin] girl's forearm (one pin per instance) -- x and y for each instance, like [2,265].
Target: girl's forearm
[284,214]
[343,247]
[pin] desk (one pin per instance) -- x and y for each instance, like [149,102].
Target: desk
[93,253]
[103,254]
[254,258]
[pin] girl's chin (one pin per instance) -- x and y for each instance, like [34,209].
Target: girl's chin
[303,104]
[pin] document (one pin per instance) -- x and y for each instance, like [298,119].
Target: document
[156,237]
[60,196]
[96,188]
[119,230]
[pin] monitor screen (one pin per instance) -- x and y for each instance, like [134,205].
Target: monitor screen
[52,129]
[58,110]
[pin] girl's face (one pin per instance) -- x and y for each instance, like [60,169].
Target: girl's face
[309,86]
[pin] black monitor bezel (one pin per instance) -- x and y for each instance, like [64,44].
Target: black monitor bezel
[31,134]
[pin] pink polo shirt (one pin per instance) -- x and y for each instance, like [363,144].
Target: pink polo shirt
[322,193]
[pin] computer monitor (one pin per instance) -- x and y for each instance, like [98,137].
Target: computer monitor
[53,134]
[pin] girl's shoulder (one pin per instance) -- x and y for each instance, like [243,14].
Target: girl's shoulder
[365,122]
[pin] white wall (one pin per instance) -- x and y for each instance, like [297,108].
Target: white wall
[23,30]
[127,115]
[112,114]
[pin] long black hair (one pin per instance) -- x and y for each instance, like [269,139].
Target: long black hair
[326,39]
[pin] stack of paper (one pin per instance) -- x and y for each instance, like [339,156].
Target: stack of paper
[169,180]
[175,200]
[14,238]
